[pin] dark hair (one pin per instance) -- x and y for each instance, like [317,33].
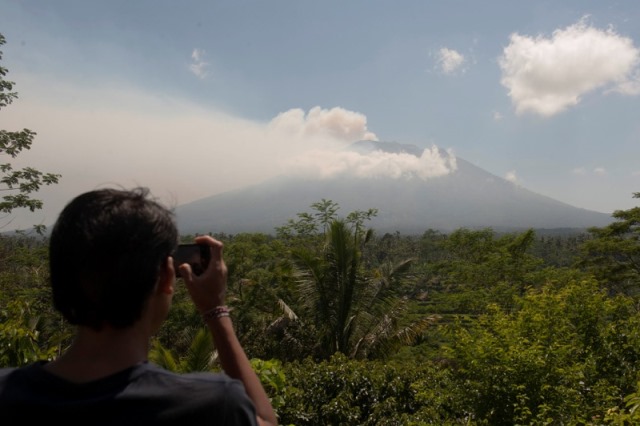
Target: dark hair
[106,252]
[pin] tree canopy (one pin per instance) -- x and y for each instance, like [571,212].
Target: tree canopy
[18,185]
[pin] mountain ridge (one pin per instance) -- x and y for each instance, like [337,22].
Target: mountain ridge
[468,197]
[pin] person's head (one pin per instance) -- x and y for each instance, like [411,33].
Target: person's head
[107,251]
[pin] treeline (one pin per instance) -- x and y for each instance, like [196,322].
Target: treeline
[349,327]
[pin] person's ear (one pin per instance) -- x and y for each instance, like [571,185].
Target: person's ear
[167,279]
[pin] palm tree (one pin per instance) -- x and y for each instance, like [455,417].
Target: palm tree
[201,355]
[353,310]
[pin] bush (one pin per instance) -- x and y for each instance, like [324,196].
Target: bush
[351,392]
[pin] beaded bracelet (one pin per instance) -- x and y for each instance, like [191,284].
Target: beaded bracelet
[216,312]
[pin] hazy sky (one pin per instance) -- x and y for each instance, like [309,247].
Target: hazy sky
[194,98]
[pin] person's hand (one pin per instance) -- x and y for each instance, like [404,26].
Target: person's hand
[208,289]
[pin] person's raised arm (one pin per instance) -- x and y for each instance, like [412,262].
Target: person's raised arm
[208,294]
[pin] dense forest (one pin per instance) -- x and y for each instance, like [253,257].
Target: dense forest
[348,327]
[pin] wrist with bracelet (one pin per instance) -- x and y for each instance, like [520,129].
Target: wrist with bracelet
[216,312]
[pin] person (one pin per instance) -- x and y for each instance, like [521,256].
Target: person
[112,276]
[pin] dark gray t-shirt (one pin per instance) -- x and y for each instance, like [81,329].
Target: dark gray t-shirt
[141,395]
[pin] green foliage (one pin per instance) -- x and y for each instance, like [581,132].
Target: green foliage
[629,415]
[24,272]
[183,322]
[29,327]
[273,379]
[325,213]
[340,391]
[477,259]
[305,226]
[200,356]
[350,308]
[557,358]
[346,321]
[559,250]
[18,184]
[330,286]
[391,248]
[479,268]
[613,253]
[260,277]
[20,336]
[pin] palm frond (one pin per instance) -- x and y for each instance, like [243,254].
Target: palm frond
[163,357]
[287,311]
[201,356]
[410,333]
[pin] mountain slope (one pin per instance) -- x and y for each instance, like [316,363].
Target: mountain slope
[469,197]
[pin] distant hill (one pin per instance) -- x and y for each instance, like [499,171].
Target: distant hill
[469,197]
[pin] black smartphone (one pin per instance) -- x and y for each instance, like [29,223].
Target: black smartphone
[196,255]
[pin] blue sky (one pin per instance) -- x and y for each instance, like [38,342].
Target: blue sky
[195,98]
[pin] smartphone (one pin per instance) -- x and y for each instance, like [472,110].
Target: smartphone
[196,255]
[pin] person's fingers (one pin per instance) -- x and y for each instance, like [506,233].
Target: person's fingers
[216,251]
[171,266]
[209,287]
[210,241]
[215,247]
[186,273]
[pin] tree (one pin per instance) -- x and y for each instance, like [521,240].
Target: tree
[18,185]
[565,357]
[478,267]
[343,391]
[21,339]
[352,309]
[201,355]
[613,253]
[325,212]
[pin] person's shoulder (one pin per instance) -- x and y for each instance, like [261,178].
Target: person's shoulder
[202,379]
[206,392]
[12,378]
[6,372]
[151,369]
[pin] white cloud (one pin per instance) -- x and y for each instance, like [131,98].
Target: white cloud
[547,75]
[581,171]
[337,123]
[449,60]
[331,163]
[629,87]
[198,65]
[322,134]
[497,116]
[512,177]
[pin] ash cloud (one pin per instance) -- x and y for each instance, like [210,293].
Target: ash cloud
[183,151]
